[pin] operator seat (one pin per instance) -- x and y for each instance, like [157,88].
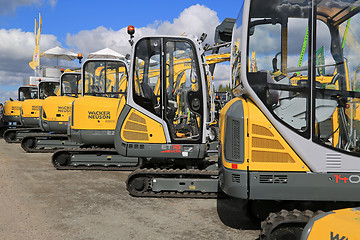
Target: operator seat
[148,99]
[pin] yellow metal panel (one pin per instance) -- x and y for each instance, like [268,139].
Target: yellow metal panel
[139,128]
[258,142]
[269,153]
[96,113]
[260,130]
[135,126]
[320,79]
[265,149]
[217,58]
[342,224]
[137,118]
[57,108]
[135,136]
[12,108]
[31,108]
[271,157]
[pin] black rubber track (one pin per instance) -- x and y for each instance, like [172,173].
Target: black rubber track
[10,135]
[145,175]
[28,143]
[61,160]
[285,224]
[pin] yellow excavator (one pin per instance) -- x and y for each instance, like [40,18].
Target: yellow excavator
[30,110]
[54,116]
[339,224]
[273,152]
[95,115]
[93,119]
[169,129]
[12,108]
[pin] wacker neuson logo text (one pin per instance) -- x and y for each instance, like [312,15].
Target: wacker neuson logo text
[99,114]
[64,108]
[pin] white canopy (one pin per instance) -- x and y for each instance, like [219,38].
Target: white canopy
[59,53]
[106,53]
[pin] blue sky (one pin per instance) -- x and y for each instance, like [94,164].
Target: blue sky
[69,16]
[87,26]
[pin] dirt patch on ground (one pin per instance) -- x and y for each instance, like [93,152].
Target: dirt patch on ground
[39,202]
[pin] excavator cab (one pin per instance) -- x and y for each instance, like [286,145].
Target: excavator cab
[47,89]
[70,84]
[290,135]
[54,116]
[166,110]
[151,111]
[93,119]
[30,110]
[27,92]
[94,115]
[56,110]
[12,108]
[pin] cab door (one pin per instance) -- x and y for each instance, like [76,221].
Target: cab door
[166,86]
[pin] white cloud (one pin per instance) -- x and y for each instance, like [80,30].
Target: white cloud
[6,95]
[17,46]
[222,75]
[12,78]
[88,41]
[16,50]
[193,20]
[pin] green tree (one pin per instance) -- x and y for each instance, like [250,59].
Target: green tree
[224,89]
[221,88]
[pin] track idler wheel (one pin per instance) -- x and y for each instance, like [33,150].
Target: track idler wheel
[30,143]
[2,130]
[61,159]
[10,136]
[139,184]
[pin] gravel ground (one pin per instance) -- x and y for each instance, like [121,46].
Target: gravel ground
[39,202]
